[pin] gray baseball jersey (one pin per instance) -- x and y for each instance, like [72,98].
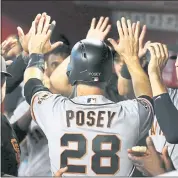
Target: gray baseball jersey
[158,137]
[91,134]
[37,163]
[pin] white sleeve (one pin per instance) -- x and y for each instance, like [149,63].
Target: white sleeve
[21,109]
[44,105]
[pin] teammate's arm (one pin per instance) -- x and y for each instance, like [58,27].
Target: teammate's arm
[128,48]
[38,45]
[124,79]
[59,79]
[21,125]
[166,112]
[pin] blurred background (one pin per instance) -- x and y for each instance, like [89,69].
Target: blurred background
[73,19]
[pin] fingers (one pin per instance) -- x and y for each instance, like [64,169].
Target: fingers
[56,44]
[137,30]
[161,50]
[104,24]
[129,28]
[60,172]
[166,51]
[100,22]
[142,36]
[133,27]
[33,28]
[124,26]
[20,32]
[137,161]
[46,25]
[8,44]
[147,44]
[119,28]
[51,28]
[150,145]
[37,19]
[113,42]
[152,51]
[107,30]
[167,160]
[41,23]
[93,23]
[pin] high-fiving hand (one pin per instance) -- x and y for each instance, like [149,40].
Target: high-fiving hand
[99,31]
[24,39]
[128,46]
[40,37]
[6,46]
[159,58]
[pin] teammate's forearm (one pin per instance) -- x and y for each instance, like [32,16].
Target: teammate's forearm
[124,86]
[140,80]
[157,84]
[16,69]
[167,116]
[59,79]
[34,70]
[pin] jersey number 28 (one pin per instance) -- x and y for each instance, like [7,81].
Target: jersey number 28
[96,158]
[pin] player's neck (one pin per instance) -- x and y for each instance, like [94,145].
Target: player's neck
[84,90]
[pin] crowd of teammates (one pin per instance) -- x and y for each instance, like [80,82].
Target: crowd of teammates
[85,110]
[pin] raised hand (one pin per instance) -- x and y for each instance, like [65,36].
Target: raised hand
[143,47]
[40,37]
[99,31]
[24,39]
[7,45]
[128,46]
[159,57]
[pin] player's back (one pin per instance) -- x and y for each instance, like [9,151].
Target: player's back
[91,134]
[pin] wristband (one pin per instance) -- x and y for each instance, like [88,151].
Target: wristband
[37,60]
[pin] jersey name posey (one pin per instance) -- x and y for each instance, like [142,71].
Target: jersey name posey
[90,118]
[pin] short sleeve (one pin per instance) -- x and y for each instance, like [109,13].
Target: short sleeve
[44,105]
[140,114]
[146,115]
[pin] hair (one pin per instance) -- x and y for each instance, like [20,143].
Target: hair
[63,51]
[59,37]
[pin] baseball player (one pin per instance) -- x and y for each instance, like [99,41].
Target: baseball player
[156,132]
[87,133]
[161,93]
[10,151]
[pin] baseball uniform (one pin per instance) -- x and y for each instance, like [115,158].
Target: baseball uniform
[37,162]
[91,134]
[158,137]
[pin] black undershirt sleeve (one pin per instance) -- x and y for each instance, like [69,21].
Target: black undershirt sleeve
[167,116]
[16,69]
[31,87]
[19,132]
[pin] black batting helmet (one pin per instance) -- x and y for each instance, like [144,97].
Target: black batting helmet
[90,61]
